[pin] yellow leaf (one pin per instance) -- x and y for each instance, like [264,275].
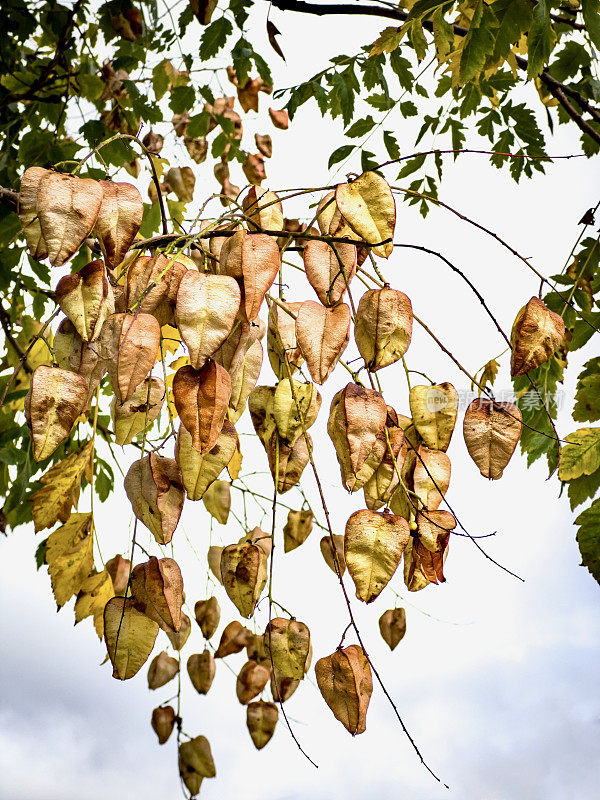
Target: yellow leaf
[387,42]
[235,465]
[94,594]
[170,339]
[69,556]
[288,642]
[60,492]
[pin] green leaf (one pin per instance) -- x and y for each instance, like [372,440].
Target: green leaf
[588,538]
[214,37]
[591,17]
[391,145]
[581,456]
[150,220]
[540,40]
[381,102]
[587,399]
[339,155]
[360,128]
[514,17]
[479,43]
[582,488]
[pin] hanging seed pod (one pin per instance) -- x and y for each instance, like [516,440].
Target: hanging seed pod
[261,719]
[431,477]
[536,334]
[255,259]
[282,345]
[196,755]
[206,310]
[217,501]
[55,400]
[329,269]
[434,410]
[356,427]
[118,568]
[129,637]
[152,284]
[295,409]
[292,461]
[201,398]
[381,485]
[28,213]
[201,668]
[344,680]
[373,547]
[132,418]
[163,722]
[244,575]
[157,588]
[241,354]
[213,558]
[392,626]
[282,688]
[87,299]
[154,486]
[208,615]
[260,538]
[424,562]
[322,335]
[263,207]
[492,431]
[234,639]
[297,529]
[162,669]
[181,181]
[251,680]
[199,470]
[327,551]
[287,642]
[383,329]
[129,346]
[67,209]
[368,206]
[119,220]
[433,524]
[180,637]
[75,355]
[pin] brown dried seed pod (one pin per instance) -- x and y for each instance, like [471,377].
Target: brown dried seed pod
[119,220]
[151,286]
[28,212]
[327,551]
[368,206]
[118,568]
[163,722]
[261,719]
[536,334]
[329,274]
[129,345]
[234,639]
[201,398]
[244,575]
[392,626]
[383,329]
[263,207]
[288,643]
[431,477]
[297,529]
[154,486]
[157,588]
[208,615]
[251,680]
[201,668]
[139,412]
[162,669]
[200,470]
[492,431]
[345,681]
[322,335]
[434,410]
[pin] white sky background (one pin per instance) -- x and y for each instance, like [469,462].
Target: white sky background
[501,696]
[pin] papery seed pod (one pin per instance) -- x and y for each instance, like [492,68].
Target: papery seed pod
[153,142]
[280,118]
[434,409]
[152,284]
[118,568]
[254,168]
[201,668]
[180,637]
[208,615]
[492,431]
[256,651]
[424,563]
[536,334]
[263,207]
[381,485]
[292,461]
[28,212]
[55,400]
[368,206]
[129,637]
[197,148]
[162,669]
[67,209]
[431,477]
[255,259]
[261,719]
[260,538]
[87,299]
[213,558]
[244,575]
[234,639]
[157,588]
[264,144]
[322,335]
[199,470]
[260,405]
[181,181]
[282,688]
[288,642]
[329,274]
[295,409]
[251,680]
[330,220]
[137,414]
[383,329]
[217,501]
[345,681]
[241,354]
[129,345]
[356,427]
[119,220]
[206,310]
[201,398]
[297,529]
[373,547]
[282,345]
[392,626]
[327,551]
[163,722]
[154,486]
[196,754]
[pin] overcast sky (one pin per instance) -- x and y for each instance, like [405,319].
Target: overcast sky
[497,680]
